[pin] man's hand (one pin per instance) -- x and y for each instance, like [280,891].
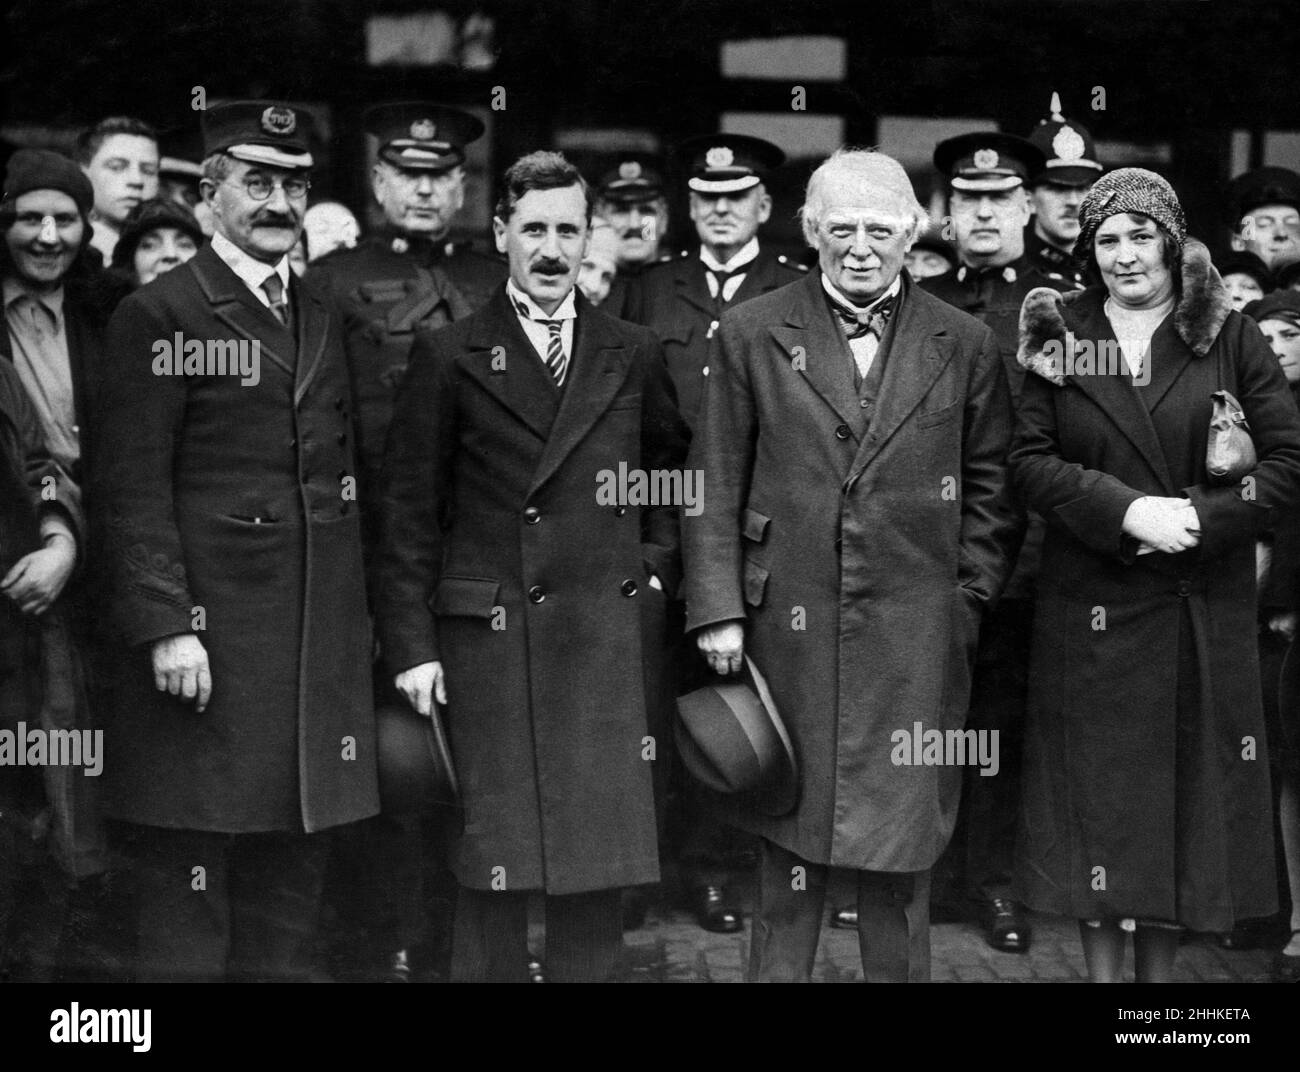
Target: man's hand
[37,579]
[421,685]
[1163,524]
[723,646]
[180,666]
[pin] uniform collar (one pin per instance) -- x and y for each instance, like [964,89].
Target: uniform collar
[743,256]
[567,309]
[252,271]
[1009,272]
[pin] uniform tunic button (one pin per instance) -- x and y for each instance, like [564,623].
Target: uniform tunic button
[842,432]
[863,403]
[619,511]
[629,587]
[535,594]
[1184,588]
[532,515]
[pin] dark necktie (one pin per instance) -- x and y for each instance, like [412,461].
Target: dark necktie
[275,291]
[859,322]
[555,358]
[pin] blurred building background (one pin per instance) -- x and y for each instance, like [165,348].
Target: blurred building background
[1199,90]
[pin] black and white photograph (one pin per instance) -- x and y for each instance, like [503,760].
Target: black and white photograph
[649,491]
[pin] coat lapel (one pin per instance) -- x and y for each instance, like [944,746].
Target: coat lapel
[601,362]
[313,330]
[815,346]
[916,356]
[1116,395]
[234,305]
[1173,361]
[692,286]
[508,368]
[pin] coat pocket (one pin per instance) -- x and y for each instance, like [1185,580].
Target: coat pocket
[753,525]
[939,416]
[465,597]
[755,583]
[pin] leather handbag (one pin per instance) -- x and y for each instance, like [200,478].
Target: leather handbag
[1229,450]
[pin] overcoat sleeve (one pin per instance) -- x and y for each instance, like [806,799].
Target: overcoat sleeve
[413,505]
[1230,515]
[723,452]
[140,421]
[991,527]
[1087,503]
[665,439]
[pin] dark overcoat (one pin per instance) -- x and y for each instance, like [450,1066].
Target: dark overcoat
[500,560]
[239,500]
[672,299]
[1144,752]
[859,552]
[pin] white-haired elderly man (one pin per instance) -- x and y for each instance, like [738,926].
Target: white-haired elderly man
[853,441]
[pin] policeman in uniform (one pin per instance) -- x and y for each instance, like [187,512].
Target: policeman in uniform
[989,211]
[405,278]
[630,198]
[408,276]
[681,299]
[1057,191]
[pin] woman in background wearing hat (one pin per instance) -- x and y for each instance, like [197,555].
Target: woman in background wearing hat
[1246,278]
[1278,317]
[1146,803]
[158,236]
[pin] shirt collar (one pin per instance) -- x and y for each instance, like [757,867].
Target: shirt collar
[839,298]
[51,299]
[567,309]
[252,271]
[743,256]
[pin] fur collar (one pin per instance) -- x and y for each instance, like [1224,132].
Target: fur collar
[1203,306]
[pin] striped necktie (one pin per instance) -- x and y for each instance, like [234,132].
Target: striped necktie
[274,288]
[556,360]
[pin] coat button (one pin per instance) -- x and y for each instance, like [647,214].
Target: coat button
[619,511]
[842,432]
[864,403]
[628,587]
[1184,588]
[532,515]
[535,594]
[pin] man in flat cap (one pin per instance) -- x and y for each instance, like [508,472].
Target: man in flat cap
[1263,208]
[837,411]
[243,727]
[405,278]
[681,299]
[630,197]
[990,209]
[1056,192]
[515,590]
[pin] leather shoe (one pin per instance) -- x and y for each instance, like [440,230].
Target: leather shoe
[536,970]
[712,911]
[846,918]
[1005,926]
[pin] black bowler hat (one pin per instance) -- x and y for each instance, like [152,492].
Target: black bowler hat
[632,177]
[1069,149]
[415,768]
[258,132]
[728,163]
[731,738]
[1262,186]
[988,161]
[421,135]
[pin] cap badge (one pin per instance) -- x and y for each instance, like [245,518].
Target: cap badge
[423,130]
[629,170]
[985,159]
[279,121]
[1068,144]
[719,157]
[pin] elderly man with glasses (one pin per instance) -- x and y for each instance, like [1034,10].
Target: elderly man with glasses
[243,725]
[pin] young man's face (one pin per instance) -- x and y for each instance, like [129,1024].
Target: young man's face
[989,225]
[1272,233]
[1284,339]
[45,237]
[1056,211]
[418,201]
[544,240]
[640,227]
[1242,289]
[123,172]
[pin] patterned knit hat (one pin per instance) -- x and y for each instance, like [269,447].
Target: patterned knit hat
[1130,190]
